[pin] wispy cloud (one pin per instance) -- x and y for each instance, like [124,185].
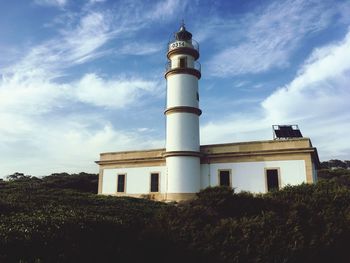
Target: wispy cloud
[59,3]
[166,9]
[317,99]
[93,31]
[55,108]
[321,85]
[96,1]
[65,144]
[139,49]
[41,117]
[83,36]
[75,46]
[112,93]
[270,36]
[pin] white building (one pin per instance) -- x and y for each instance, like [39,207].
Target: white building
[184,167]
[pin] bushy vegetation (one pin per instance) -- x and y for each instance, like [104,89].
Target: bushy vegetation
[44,220]
[335,164]
[57,219]
[339,175]
[82,182]
[306,223]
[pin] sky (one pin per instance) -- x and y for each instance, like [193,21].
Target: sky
[82,77]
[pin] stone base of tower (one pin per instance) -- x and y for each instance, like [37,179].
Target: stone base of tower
[167,197]
[177,197]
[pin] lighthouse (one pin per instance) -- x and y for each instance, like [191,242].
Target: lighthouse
[182,113]
[184,167]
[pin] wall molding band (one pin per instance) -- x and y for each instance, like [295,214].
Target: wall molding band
[183,50]
[182,153]
[183,109]
[190,71]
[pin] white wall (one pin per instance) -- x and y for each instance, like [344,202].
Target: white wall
[182,132]
[137,179]
[250,176]
[182,90]
[176,58]
[183,174]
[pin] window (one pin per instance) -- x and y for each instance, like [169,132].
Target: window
[224,178]
[154,182]
[272,179]
[183,62]
[121,183]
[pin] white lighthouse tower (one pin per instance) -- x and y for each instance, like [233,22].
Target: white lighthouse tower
[176,173]
[182,117]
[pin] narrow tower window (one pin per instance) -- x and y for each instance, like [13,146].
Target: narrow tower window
[224,178]
[154,182]
[272,179]
[183,62]
[121,183]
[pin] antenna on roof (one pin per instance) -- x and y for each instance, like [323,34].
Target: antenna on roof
[182,22]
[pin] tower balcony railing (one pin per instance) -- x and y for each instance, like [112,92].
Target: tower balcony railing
[174,44]
[196,66]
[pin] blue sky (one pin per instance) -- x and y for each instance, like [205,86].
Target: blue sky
[82,77]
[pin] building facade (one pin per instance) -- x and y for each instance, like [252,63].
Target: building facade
[184,167]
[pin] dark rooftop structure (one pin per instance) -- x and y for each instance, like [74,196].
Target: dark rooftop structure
[286,132]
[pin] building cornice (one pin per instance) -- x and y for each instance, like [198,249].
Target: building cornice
[215,153]
[258,153]
[131,161]
[206,157]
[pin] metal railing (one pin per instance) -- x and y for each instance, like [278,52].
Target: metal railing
[196,65]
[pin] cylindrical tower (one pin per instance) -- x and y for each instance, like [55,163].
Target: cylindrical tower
[182,117]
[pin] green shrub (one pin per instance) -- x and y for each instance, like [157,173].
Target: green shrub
[54,220]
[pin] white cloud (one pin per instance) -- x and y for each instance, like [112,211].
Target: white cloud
[114,93]
[270,36]
[43,129]
[29,96]
[139,49]
[93,31]
[96,1]
[321,86]
[80,44]
[64,144]
[166,9]
[41,133]
[317,99]
[59,3]
[234,128]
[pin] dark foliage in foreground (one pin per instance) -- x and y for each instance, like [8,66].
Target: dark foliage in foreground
[43,222]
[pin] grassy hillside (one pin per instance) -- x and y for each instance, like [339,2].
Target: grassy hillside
[58,219]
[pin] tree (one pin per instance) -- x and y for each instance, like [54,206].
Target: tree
[17,176]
